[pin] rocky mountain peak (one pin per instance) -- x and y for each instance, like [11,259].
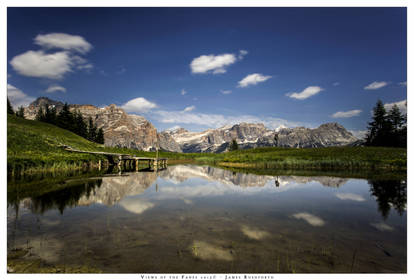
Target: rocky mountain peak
[333,125]
[43,101]
[134,131]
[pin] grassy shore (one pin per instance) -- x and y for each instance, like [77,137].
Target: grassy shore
[332,158]
[35,146]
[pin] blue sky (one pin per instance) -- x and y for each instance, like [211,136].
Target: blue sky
[202,68]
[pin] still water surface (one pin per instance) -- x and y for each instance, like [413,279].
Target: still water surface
[202,219]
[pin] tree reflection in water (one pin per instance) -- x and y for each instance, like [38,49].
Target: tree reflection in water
[60,199]
[389,193]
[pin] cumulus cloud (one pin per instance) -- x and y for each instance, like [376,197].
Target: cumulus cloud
[347,114]
[183,92]
[189,108]
[306,93]
[41,65]
[336,84]
[375,85]
[309,218]
[217,120]
[402,105]
[225,91]
[350,196]
[63,41]
[215,64]
[54,88]
[138,105]
[253,79]
[17,97]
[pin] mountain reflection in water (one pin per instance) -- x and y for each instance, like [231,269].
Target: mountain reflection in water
[188,213]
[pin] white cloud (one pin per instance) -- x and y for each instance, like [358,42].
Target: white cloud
[360,134]
[189,108]
[86,67]
[63,41]
[175,127]
[217,120]
[212,63]
[402,105]
[41,65]
[375,85]
[306,93]
[381,226]
[253,79]
[208,251]
[403,84]
[17,97]
[183,92]
[225,91]
[242,54]
[138,105]
[347,114]
[54,88]
[254,233]
[336,84]
[309,218]
[136,205]
[350,196]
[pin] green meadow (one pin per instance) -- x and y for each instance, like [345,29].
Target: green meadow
[36,146]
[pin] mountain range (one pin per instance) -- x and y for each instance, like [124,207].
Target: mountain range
[133,131]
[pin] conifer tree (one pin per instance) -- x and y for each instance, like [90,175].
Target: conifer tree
[40,115]
[81,127]
[20,112]
[387,129]
[100,136]
[65,118]
[234,146]
[9,107]
[91,130]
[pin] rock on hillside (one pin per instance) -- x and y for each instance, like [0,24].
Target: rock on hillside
[326,135]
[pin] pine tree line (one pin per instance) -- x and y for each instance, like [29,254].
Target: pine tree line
[71,121]
[387,129]
[19,113]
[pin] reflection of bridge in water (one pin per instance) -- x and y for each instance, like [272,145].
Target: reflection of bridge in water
[126,161]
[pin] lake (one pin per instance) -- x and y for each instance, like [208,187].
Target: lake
[197,219]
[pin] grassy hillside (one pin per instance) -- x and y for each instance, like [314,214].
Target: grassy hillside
[33,145]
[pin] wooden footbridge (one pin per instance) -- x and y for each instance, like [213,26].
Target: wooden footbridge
[126,161]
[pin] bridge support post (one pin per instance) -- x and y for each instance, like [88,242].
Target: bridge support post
[120,163]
